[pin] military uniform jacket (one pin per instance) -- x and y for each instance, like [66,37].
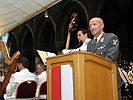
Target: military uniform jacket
[107,46]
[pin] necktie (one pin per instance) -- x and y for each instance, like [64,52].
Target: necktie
[95,40]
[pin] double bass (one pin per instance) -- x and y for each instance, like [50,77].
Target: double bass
[12,62]
[71,28]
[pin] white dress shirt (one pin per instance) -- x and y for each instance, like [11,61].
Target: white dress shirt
[82,48]
[15,79]
[41,78]
[99,37]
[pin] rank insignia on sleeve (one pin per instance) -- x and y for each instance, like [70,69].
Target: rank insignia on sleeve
[115,42]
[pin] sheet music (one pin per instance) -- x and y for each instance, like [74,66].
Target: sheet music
[44,55]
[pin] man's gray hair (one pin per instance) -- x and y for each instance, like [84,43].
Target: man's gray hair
[42,65]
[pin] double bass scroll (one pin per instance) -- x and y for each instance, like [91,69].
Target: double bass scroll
[12,62]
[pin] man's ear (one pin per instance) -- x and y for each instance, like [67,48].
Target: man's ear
[102,26]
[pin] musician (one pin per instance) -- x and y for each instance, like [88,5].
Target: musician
[83,38]
[18,77]
[130,73]
[124,76]
[125,81]
[41,72]
[41,75]
[104,44]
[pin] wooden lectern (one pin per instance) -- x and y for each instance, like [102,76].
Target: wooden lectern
[94,78]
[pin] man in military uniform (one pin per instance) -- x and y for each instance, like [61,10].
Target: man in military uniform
[104,44]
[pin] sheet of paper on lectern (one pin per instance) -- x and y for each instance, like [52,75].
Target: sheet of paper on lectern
[44,55]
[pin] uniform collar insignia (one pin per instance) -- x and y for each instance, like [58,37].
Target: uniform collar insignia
[102,39]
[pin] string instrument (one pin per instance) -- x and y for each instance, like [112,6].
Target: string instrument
[12,62]
[71,28]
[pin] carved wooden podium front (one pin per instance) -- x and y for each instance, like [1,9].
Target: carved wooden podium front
[93,77]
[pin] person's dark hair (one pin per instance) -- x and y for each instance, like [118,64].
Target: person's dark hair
[24,61]
[84,31]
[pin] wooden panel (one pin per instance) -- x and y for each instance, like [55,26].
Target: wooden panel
[98,80]
[94,77]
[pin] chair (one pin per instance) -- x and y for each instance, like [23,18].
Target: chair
[42,91]
[26,90]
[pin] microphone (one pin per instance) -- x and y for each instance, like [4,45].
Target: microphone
[79,44]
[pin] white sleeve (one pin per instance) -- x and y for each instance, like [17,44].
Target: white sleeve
[83,47]
[125,74]
[11,86]
[65,51]
[121,75]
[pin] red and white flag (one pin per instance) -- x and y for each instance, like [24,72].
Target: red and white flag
[62,82]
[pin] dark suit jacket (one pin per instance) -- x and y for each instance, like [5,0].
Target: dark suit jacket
[107,47]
